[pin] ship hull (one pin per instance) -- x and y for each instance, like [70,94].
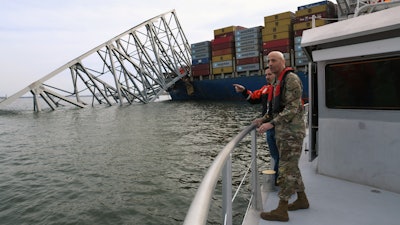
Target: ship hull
[217,89]
[222,89]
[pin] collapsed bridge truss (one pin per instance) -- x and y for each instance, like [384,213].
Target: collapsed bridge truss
[136,66]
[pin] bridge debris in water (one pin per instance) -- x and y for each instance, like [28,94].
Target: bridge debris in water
[136,66]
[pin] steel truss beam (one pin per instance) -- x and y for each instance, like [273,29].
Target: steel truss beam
[135,66]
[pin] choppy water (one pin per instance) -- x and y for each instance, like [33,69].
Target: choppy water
[135,164]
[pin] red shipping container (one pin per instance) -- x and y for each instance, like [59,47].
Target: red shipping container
[283,49]
[277,43]
[222,40]
[222,52]
[205,66]
[222,46]
[245,61]
[196,73]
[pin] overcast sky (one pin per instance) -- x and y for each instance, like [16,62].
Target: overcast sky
[39,36]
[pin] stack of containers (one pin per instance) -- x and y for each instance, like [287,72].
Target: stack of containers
[277,35]
[223,50]
[248,46]
[201,58]
[303,21]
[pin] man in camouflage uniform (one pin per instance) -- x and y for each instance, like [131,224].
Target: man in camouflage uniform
[287,111]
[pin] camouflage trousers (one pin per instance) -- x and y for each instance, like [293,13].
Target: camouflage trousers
[289,179]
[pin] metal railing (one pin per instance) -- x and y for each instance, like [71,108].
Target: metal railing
[200,206]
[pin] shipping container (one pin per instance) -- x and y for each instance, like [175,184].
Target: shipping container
[221,70]
[230,34]
[314,5]
[230,29]
[221,40]
[200,50]
[196,73]
[250,60]
[279,23]
[242,55]
[223,52]
[201,56]
[222,58]
[248,42]
[204,66]
[297,47]
[277,43]
[301,61]
[313,10]
[297,40]
[248,36]
[317,16]
[220,64]
[308,25]
[248,48]
[277,29]
[277,36]
[252,30]
[279,16]
[300,54]
[201,61]
[248,67]
[222,46]
[201,44]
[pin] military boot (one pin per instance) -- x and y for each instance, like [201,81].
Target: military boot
[300,203]
[278,214]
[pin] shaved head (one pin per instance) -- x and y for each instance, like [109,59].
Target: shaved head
[276,62]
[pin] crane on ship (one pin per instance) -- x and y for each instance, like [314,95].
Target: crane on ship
[136,66]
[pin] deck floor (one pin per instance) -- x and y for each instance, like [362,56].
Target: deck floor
[334,201]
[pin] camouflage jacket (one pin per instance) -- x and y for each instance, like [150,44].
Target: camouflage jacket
[289,123]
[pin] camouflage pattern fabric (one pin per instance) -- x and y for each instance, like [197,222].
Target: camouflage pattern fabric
[289,133]
[289,179]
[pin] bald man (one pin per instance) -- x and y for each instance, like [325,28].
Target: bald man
[289,133]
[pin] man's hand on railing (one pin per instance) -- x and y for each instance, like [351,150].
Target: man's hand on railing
[258,121]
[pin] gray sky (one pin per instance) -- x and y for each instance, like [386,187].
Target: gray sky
[38,36]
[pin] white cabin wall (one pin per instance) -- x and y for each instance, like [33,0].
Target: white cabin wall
[361,146]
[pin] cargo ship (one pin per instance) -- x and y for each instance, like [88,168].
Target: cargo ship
[239,55]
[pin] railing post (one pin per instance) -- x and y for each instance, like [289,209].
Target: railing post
[256,192]
[227,192]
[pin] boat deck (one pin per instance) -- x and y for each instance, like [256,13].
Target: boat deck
[334,201]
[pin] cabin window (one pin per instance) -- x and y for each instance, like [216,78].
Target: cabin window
[372,84]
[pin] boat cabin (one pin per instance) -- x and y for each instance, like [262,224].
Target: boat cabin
[354,115]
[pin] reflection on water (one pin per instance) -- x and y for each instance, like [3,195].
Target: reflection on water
[135,164]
